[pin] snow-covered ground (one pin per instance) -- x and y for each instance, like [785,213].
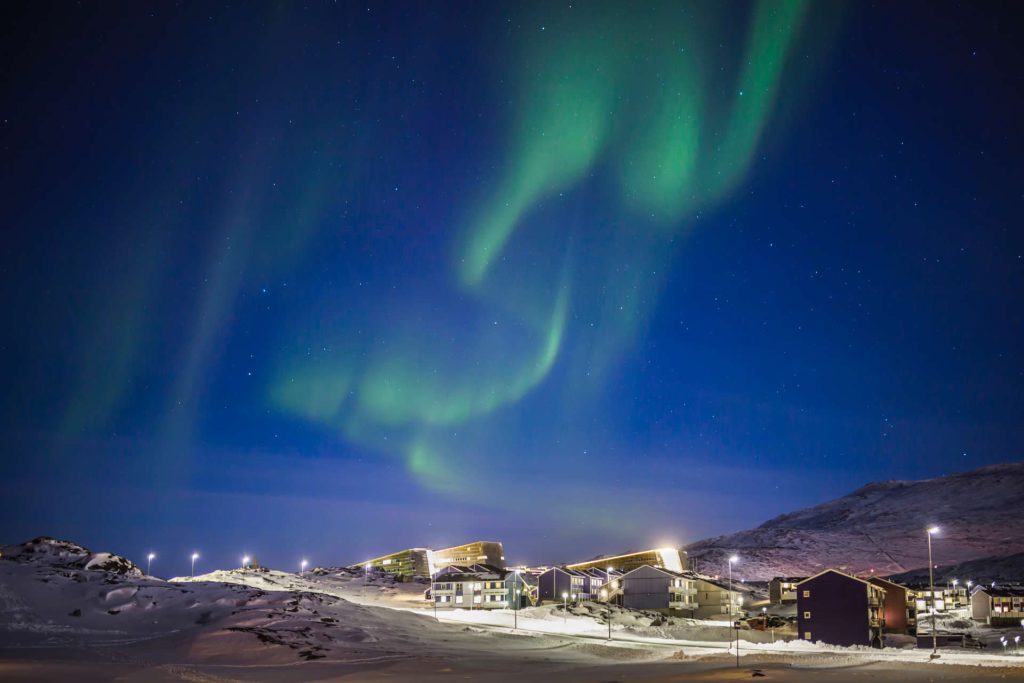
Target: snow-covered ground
[68,613]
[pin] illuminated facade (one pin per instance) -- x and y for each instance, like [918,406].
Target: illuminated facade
[411,562]
[423,562]
[478,552]
[662,558]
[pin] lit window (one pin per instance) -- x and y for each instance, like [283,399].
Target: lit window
[807,635]
[807,594]
[807,615]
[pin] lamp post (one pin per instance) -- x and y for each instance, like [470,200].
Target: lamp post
[931,584]
[302,567]
[195,556]
[245,561]
[732,559]
[433,593]
[515,594]
[956,593]
[1016,644]
[565,606]
[149,564]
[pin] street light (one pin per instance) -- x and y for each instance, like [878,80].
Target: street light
[195,556]
[1016,644]
[245,561]
[149,563]
[433,592]
[931,582]
[516,592]
[732,559]
[565,606]
[302,567]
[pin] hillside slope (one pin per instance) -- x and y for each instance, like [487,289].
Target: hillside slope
[882,527]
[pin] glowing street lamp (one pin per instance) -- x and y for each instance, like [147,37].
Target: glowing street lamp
[149,563]
[1016,644]
[245,561]
[195,556]
[931,582]
[302,566]
[565,606]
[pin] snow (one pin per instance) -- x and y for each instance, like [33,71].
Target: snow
[58,610]
[881,526]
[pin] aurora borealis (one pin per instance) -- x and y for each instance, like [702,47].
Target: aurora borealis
[343,278]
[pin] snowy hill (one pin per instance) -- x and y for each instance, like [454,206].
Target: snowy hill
[882,527]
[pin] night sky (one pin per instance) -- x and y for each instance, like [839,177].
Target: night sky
[334,279]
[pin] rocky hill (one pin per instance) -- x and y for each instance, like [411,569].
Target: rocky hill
[882,527]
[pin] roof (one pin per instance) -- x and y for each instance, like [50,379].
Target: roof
[1002,591]
[843,574]
[878,579]
[788,579]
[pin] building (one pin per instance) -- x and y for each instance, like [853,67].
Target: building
[478,552]
[782,589]
[409,563]
[998,605]
[424,563]
[556,581]
[837,608]
[480,587]
[900,609]
[656,588]
[667,558]
[715,600]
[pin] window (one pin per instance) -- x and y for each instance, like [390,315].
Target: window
[476,599]
[807,594]
[807,635]
[458,599]
[807,615]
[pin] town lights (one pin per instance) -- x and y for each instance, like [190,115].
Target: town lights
[932,530]
[195,556]
[149,563]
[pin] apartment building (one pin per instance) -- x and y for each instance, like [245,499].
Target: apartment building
[837,608]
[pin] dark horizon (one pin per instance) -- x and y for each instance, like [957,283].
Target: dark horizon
[336,280]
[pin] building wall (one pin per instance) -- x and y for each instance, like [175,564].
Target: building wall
[477,552]
[405,563]
[898,602]
[552,583]
[834,609]
[713,601]
[668,558]
[645,588]
[981,606]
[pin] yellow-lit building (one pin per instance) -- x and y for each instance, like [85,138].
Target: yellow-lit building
[665,558]
[423,562]
[409,562]
[478,552]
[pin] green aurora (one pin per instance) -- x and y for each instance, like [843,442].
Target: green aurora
[667,122]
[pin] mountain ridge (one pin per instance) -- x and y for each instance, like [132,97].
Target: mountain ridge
[881,526]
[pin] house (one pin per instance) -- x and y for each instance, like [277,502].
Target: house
[656,588]
[555,582]
[715,599]
[782,589]
[925,597]
[900,609]
[998,605]
[480,587]
[837,608]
